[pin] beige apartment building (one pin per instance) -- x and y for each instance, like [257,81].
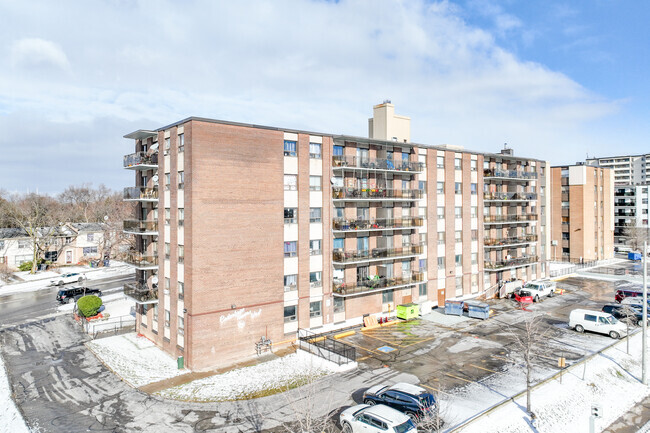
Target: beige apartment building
[582,208]
[248,231]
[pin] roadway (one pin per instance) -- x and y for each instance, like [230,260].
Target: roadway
[18,308]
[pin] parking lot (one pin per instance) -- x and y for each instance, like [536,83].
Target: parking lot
[472,364]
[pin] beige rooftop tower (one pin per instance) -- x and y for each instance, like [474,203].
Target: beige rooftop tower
[386,125]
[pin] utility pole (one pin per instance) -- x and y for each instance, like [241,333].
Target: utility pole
[644,376]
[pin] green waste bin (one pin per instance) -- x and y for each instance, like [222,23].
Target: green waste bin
[181,362]
[408,311]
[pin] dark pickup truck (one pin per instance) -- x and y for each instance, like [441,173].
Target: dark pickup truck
[74,293]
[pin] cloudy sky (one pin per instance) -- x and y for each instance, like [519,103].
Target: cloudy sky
[554,79]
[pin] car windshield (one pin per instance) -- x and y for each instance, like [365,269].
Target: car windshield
[405,427]
[61,292]
[531,285]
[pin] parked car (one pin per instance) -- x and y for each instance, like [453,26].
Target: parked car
[412,400]
[636,315]
[636,301]
[524,296]
[540,288]
[627,293]
[596,321]
[74,293]
[71,277]
[375,419]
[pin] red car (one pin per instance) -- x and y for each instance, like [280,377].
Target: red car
[524,297]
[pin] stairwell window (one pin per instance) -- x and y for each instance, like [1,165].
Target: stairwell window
[181,143]
[290,148]
[181,216]
[181,253]
[168,250]
[168,145]
[181,180]
[458,188]
[458,163]
[181,325]
[440,162]
[441,212]
[181,290]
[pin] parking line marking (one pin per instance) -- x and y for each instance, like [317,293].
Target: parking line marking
[486,369]
[420,341]
[434,389]
[363,348]
[384,341]
[456,377]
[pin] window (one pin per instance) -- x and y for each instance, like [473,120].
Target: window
[457,163]
[441,212]
[168,250]
[441,263]
[315,309]
[289,148]
[290,249]
[337,151]
[315,247]
[440,187]
[290,215]
[459,284]
[315,279]
[458,236]
[290,182]
[458,188]
[181,180]
[315,183]
[315,150]
[168,145]
[472,165]
[181,253]
[387,296]
[339,243]
[167,318]
[89,251]
[181,325]
[290,282]
[565,236]
[441,162]
[458,212]
[441,238]
[339,305]
[474,235]
[590,317]
[474,258]
[473,188]
[474,282]
[315,214]
[168,215]
[458,260]
[168,180]
[181,290]
[90,237]
[422,290]
[422,185]
[181,216]
[181,143]
[290,314]
[473,212]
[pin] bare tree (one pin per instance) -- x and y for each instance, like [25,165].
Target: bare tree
[530,336]
[433,418]
[635,237]
[629,317]
[305,402]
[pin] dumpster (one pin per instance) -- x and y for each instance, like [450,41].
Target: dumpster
[408,311]
[478,310]
[634,256]
[454,307]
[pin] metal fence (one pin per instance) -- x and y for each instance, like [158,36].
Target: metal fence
[324,346]
[576,264]
[111,326]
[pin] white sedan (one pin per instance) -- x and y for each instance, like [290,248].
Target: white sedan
[70,277]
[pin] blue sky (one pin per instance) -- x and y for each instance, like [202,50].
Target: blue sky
[554,79]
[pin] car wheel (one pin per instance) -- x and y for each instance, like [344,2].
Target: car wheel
[639,322]
[614,335]
[347,428]
[536,298]
[369,402]
[580,328]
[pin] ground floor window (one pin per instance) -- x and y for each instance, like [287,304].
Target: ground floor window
[387,296]
[339,305]
[422,290]
[290,314]
[315,309]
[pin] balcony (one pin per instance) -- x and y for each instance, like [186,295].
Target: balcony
[509,219]
[141,261]
[500,265]
[624,213]
[141,161]
[141,293]
[343,162]
[375,194]
[340,257]
[624,194]
[139,227]
[377,224]
[621,203]
[377,284]
[509,196]
[140,193]
[508,242]
[497,174]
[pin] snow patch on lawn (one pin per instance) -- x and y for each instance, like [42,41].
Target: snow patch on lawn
[135,359]
[258,380]
[10,418]
[611,380]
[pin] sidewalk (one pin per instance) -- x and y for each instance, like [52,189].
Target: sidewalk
[635,420]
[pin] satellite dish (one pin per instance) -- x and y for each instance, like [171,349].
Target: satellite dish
[154,279]
[155,178]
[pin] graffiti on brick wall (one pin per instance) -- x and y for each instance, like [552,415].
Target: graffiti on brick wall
[240,317]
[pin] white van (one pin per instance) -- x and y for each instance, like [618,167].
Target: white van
[596,321]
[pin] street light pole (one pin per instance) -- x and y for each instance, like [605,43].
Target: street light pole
[644,376]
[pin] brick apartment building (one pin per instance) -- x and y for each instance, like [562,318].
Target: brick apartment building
[582,207]
[246,231]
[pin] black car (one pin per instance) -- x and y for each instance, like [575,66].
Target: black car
[74,293]
[619,312]
[412,400]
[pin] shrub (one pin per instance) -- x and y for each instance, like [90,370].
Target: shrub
[27,266]
[89,305]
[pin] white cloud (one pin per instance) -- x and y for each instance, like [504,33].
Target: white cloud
[38,53]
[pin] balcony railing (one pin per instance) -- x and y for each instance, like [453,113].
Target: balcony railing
[141,261]
[625,203]
[509,174]
[141,160]
[344,161]
[341,224]
[512,263]
[141,193]
[505,196]
[340,256]
[141,227]
[624,194]
[625,213]
[141,292]
[495,219]
[375,284]
[504,242]
[339,193]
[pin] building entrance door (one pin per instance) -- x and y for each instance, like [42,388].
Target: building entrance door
[68,256]
[441,298]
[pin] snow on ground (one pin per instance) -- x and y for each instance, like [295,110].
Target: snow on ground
[262,379]
[10,418]
[135,359]
[611,380]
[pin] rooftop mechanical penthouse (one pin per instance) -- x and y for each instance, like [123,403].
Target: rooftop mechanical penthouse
[245,231]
